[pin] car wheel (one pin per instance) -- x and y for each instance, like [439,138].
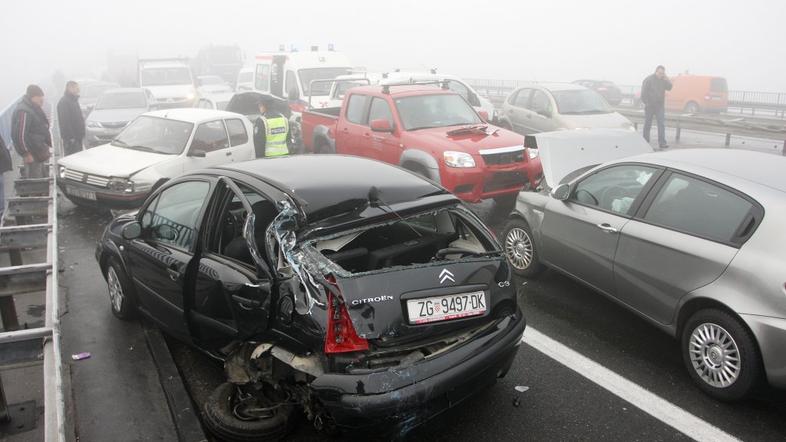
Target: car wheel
[519,249]
[233,415]
[720,354]
[692,108]
[120,297]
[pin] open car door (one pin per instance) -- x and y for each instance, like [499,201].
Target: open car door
[230,295]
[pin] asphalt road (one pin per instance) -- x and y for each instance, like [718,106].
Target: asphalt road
[559,404]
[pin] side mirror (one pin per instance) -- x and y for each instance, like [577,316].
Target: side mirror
[198,153]
[293,94]
[484,116]
[381,125]
[132,230]
[561,192]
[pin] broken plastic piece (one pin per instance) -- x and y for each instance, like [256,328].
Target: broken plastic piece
[521,388]
[80,356]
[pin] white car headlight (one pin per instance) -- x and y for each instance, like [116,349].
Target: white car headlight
[190,96]
[94,124]
[458,159]
[533,153]
[121,185]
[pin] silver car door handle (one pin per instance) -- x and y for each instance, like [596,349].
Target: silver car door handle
[606,227]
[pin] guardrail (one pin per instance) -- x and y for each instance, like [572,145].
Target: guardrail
[28,226]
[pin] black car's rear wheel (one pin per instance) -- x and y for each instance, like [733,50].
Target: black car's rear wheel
[121,297]
[519,248]
[233,414]
[720,354]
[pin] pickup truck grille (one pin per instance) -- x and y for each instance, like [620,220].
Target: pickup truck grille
[504,157]
[505,180]
[80,177]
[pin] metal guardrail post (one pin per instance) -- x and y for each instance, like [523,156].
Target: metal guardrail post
[4,416]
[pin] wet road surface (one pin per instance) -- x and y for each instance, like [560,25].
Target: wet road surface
[559,404]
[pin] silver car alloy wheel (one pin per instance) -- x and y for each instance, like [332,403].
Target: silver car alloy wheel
[116,296]
[714,355]
[518,248]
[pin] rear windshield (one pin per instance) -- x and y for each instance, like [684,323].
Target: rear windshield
[718,85]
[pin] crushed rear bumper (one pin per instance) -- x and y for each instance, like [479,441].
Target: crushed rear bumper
[397,400]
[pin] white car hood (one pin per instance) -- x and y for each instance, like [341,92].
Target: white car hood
[171,91]
[566,151]
[112,161]
[612,120]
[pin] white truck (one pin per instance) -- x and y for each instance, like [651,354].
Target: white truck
[169,80]
[289,75]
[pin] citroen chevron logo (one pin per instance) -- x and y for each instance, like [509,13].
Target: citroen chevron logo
[446,275]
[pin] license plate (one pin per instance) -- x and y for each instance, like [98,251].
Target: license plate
[443,308]
[79,193]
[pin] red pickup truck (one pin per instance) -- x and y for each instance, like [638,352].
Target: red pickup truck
[428,130]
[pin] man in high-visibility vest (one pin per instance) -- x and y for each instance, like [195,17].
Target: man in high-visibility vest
[271,130]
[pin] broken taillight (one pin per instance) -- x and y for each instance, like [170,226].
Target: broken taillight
[341,336]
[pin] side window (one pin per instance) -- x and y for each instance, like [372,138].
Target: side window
[540,102]
[291,82]
[459,88]
[356,109]
[262,77]
[614,189]
[380,111]
[210,136]
[237,132]
[686,204]
[175,213]
[522,99]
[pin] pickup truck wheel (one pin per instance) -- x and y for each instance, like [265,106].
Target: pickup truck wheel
[519,248]
[233,415]
[720,354]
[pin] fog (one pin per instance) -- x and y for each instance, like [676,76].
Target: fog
[553,40]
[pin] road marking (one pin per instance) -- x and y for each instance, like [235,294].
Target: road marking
[650,403]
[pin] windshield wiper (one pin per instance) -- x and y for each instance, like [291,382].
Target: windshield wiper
[423,127]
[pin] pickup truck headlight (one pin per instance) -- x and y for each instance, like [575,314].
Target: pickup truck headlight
[94,124]
[458,159]
[533,153]
[121,185]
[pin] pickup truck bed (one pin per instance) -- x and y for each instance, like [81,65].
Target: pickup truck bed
[319,120]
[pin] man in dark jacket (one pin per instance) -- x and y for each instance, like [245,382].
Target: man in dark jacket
[70,119]
[30,132]
[653,95]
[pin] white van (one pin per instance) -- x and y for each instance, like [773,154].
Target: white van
[169,80]
[289,75]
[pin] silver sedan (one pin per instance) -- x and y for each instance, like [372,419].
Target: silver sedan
[690,240]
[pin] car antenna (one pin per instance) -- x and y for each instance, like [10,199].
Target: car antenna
[374,200]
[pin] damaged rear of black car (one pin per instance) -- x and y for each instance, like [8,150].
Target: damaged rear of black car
[357,292]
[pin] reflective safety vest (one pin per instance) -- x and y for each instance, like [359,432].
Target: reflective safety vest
[276,132]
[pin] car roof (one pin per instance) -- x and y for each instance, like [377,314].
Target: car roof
[192,114]
[553,86]
[322,182]
[403,90]
[720,164]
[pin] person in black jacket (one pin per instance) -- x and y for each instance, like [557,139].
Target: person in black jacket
[30,132]
[6,165]
[70,119]
[653,95]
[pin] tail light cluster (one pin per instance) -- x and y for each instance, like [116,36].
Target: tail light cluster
[341,336]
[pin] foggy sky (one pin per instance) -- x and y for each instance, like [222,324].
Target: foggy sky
[548,40]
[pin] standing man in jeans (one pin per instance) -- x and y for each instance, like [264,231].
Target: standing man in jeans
[653,95]
[30,132]
[70,119]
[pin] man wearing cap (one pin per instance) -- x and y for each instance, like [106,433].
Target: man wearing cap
[70,119]
[30,132]
[271,130]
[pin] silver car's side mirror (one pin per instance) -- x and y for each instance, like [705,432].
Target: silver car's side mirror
[561,192]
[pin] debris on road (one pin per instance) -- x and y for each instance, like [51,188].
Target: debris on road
[80,356]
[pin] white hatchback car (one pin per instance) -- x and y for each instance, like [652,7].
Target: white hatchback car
[152,149]
[546,107]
